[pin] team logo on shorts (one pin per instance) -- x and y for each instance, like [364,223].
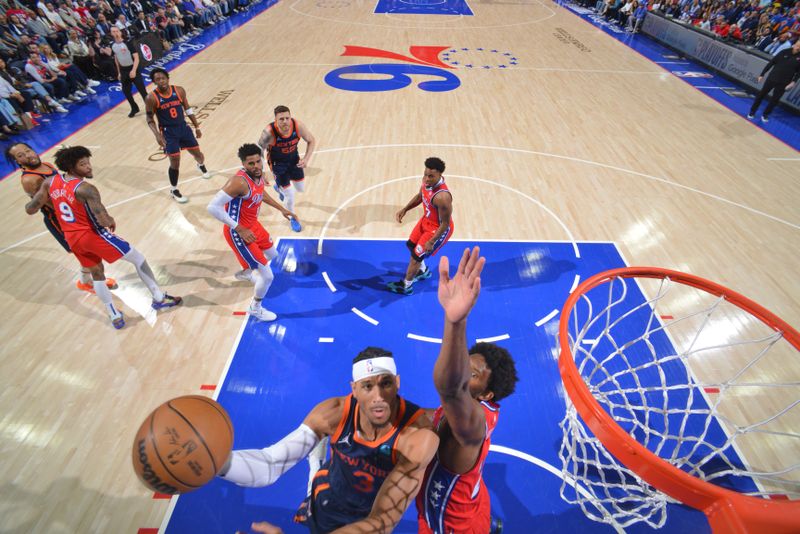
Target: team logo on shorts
[435,65]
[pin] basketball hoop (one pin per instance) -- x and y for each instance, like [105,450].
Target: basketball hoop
[679,389]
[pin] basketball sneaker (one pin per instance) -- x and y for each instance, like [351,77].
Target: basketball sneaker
[167,302]
[400,288]
[262,314]
[751,116]
[118,321]
[296,226]
[204,173]
[245,275]
[278,190]
[89,288]
[423,275]
[764,119]
[177,197]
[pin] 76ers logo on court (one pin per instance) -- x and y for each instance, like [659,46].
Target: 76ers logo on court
[424,61]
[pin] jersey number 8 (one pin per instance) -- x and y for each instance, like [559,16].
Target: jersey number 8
[66,212]
[173,112]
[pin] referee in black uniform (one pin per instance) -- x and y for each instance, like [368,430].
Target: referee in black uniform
[127,59]
[785,67]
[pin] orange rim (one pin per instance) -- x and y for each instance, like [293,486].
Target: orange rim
[726,510]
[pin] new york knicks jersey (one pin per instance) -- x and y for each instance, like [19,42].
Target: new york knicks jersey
[430,218]
[451,503]
[169,110]
[344,490]
[284,149]
[48,172]
[244,210]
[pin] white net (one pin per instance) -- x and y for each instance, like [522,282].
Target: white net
[696,380]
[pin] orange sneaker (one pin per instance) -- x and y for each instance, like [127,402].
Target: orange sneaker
[89,288]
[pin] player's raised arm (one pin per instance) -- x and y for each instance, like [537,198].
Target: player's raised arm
[415,451]
[452,371]
[39,198]
[256,468]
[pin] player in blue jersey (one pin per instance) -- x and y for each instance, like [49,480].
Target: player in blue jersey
[380,445]
[279,141]
[168,103]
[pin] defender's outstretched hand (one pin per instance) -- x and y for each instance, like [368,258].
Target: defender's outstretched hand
[459,294]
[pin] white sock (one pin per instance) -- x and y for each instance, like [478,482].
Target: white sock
[86,277]
[300,186]
[103,293]
[408,282]
[255,305]
[422,266]
[263,279]
[288,198]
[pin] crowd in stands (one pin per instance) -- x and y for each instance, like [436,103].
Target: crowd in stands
[763,24]
[54,53]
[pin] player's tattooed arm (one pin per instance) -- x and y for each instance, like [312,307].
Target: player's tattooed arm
[39,198]
[91,196]
[265,139]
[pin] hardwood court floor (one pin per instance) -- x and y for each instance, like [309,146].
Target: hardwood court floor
[612,145]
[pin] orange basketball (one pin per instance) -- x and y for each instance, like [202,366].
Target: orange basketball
[182,445]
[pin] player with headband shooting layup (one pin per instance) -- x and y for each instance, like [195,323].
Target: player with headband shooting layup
[380,446]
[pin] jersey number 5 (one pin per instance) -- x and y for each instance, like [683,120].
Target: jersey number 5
[366,482]
[66,212]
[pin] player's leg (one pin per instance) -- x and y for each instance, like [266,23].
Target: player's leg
[200,159]
[262,275]
[777,93]
[104,294]
[174,173]
[160,299]
[296,184]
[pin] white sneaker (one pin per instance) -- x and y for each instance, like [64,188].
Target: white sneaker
[60,109]
[93,83]
[90,90]
[177,197]
[262,314]
[80,94]
[245,275]
[206,174]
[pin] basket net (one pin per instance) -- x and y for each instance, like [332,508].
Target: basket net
[691,372]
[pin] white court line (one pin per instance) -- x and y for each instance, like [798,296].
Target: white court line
[547,317]
[492,339]
[364,316]
[575,283]
[783,159]
[568,158]
[328,281]
[567,231]
[174,500]
[325,340]
[423,338]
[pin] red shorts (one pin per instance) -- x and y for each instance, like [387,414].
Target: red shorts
[93,247]
[422,233]
[250,255]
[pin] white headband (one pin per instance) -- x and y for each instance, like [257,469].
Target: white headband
[374,366]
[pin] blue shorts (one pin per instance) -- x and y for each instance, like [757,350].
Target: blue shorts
[177,138]
[286,172]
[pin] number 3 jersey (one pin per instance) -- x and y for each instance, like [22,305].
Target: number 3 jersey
[345,488]
[451,503]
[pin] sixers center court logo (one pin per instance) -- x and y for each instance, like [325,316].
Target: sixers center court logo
[434,64]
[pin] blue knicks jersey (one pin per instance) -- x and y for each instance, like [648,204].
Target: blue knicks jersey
[169,109]
[345,488]
[284,149]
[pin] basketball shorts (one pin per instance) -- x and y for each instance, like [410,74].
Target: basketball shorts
[322,512]
[93,247]
[421,234]
[250,255]
[177,138]
[286,172]
[52,224]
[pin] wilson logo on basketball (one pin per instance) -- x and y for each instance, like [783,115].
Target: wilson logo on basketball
[147,54]
[149,476]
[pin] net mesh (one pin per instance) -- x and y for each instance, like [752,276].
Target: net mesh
[696,380]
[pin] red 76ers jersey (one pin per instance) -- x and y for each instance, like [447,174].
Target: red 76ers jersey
[244,210]
[431,216]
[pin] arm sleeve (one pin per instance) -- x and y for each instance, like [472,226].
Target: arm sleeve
[256,468]
[217,208]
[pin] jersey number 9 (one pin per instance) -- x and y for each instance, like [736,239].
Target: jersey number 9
[66,212]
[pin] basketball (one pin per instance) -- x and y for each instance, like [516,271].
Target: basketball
[182,444]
